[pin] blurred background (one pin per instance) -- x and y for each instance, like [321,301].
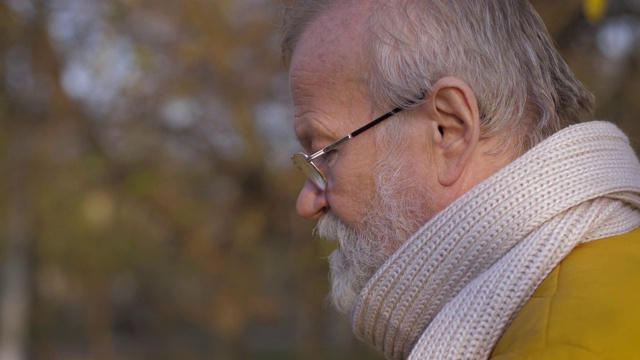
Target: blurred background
[146,194]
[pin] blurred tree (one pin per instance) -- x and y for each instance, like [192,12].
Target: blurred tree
[594,9]
[146,196]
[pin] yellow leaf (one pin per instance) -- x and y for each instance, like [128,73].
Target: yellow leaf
[594,9]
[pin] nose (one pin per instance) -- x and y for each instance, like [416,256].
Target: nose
[312,201]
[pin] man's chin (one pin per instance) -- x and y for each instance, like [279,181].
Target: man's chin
[345,285]
[355,261]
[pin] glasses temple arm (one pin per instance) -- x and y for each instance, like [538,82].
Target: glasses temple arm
[375,122]
[330,147]
[355,133]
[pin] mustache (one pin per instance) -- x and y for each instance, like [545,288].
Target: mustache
[333,228]
[360,250]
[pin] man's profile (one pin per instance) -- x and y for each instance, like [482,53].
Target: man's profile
[479,210]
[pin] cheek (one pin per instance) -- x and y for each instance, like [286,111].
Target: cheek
[351,189]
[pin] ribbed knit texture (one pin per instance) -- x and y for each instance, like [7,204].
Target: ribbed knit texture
[452,289]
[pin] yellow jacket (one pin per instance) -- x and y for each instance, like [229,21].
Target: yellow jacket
[587,308]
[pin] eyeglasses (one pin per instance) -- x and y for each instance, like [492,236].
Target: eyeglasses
[305,162]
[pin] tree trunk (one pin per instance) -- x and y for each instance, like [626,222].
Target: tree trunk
[16,292]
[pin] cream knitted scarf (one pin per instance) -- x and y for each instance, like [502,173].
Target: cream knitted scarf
[452,289]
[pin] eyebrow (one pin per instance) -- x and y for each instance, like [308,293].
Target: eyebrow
[308,131]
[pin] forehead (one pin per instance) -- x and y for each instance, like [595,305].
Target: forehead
[326,35]
[330,46]
[326,68]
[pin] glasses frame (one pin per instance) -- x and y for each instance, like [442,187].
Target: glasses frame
[305,163]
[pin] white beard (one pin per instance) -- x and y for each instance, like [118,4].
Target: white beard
[353,263]
[396,213]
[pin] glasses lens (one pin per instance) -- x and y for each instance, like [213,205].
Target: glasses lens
[310,170]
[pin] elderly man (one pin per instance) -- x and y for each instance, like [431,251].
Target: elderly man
[477,215]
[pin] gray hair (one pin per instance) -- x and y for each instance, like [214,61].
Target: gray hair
[501,48]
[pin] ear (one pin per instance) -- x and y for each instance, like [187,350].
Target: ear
[453,108]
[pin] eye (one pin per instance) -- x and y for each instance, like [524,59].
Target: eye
[325,160]
[331,156]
